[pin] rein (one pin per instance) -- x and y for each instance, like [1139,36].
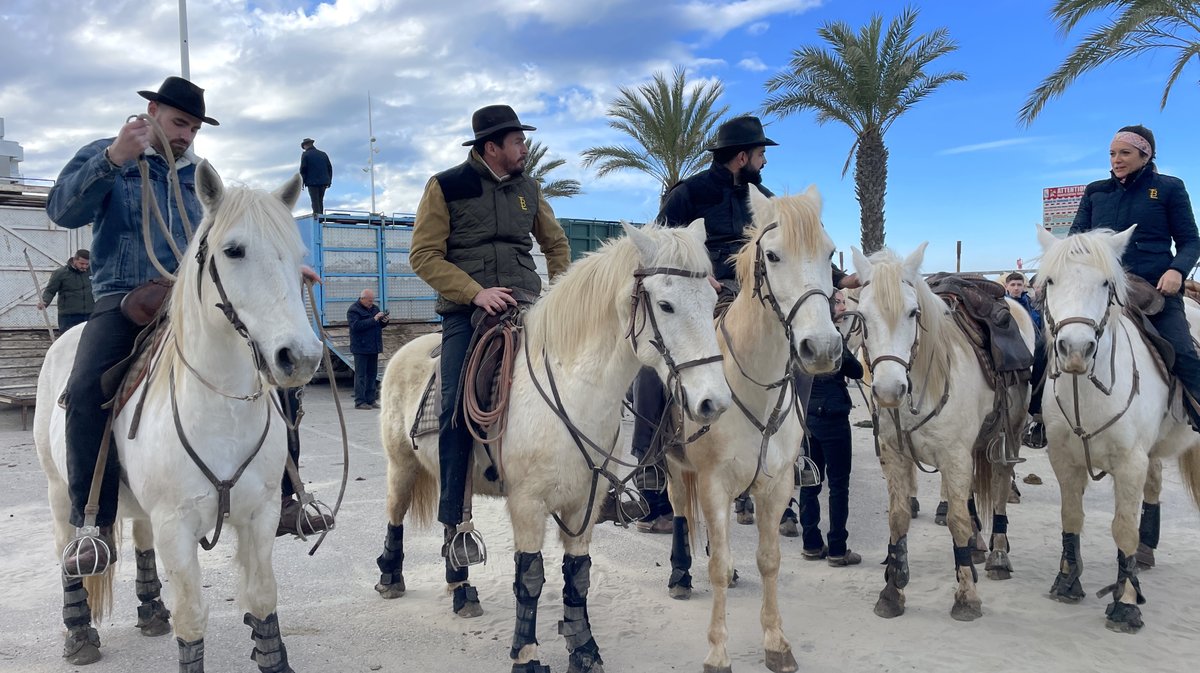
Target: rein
[1098,327]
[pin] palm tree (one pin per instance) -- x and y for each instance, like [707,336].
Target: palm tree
[539,171]
[1141,26]
[671,122]
[866,81]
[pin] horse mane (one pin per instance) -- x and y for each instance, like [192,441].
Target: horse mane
[939,336]
[566,323]
[1091,249]
[263,213]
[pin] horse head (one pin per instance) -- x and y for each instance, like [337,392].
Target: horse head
[242,276]
[1082,283]
[890,306]
[787,262]
[678,300]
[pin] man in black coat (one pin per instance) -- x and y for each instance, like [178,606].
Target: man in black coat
[366,323]
[317,173]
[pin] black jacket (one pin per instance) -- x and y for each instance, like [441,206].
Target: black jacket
[315,169]
[725,207]
[1160,206]
[366,333]
[830,395]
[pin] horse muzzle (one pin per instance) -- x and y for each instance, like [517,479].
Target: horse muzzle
[820,354]
[1075,356]
[889,394]
[294,365]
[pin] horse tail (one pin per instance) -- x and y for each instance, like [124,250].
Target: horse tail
[981,484]
[100,587]
[1189,466]
[425,495]
[691,504]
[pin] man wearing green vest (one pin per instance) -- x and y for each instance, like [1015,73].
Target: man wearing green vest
[471,243]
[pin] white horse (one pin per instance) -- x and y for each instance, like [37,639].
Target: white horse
[254,246]
[779,320]
[1122,418]
[584,338]
[932,397]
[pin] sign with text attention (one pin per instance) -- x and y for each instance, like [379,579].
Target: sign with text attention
[1058,207]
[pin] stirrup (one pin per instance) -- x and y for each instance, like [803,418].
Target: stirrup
[631,506]
[998,451]
[650,478]
[810,474]
[466,548]
[315,515]
[87,539]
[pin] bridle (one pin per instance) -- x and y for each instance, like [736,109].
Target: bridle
[766,294]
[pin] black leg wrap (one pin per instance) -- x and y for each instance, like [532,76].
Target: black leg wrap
[1122,616]
[531,575]
[464,594]
[191,656]
[153,616]
[896,573]
[455,574]
[391,561]
[681,556]
[1067,586]
[974,512]
[575,627]
[962,559]
[269,652]
[999,527]
[1149,527]
[534,666]
[76,612]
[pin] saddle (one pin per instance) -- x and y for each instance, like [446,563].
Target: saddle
[1142,301]
[980,310]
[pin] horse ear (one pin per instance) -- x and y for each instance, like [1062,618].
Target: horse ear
[1120,241]
[762,209]
[814,195]
[912,263]
[209,187]
[644,243]
[698,232]
[1045,238]
[862,265]
[289,193]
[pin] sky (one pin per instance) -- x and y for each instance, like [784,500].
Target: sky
[961,167]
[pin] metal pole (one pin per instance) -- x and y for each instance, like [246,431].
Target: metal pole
[371,155]
[38,286]
[184,66]
[958,258]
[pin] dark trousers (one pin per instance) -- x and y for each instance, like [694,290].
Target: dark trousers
[1172,324]
[649,403]
[366,378]
[289,400]
[68,320]
[316,194]
[829,447]
[107,338]
[1038,382]
[454,439]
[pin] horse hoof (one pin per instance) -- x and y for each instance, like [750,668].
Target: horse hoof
[999,574]
[82,646]
[708,668]
[889,608]
[782,662]
[534,666]
[1064,593]
[733,579]
[967,611]
[1124,618]
[680,592]
[1144,556]
[998,566]
[583,666]
[88,654]
[939,517]
[389,591]
[154,619]
[470,610]
[156,628]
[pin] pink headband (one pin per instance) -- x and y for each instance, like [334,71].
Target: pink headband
[1135,140]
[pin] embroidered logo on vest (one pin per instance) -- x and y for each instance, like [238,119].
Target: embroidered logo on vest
[1153,193]
[521,200]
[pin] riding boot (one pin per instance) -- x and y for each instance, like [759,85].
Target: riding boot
[269,652]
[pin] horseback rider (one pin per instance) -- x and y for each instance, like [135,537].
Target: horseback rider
[1136,193]
[101,186]
[471,243]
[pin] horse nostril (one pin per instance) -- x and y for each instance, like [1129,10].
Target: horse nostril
[1088,349]
[285,361]
[1061,346]
[807,351]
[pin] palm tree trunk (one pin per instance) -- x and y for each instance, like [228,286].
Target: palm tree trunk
[870,186]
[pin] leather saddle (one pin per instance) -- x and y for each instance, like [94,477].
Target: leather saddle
[1142,301]
[996,333]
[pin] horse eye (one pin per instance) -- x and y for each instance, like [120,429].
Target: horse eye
[665,307]
[235,252]
[1049,281]
[772,257]
[914,313]
[1105,284]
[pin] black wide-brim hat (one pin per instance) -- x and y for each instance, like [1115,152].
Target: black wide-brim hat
[740,132]
[181,95]
[492,119]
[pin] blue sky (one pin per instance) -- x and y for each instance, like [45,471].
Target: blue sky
[960,168]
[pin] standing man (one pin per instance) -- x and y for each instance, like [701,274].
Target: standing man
[1035,435]
[366,343]
[73,285]
[471,243]
[721,195]
[317,173]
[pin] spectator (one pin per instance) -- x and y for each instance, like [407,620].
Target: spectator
[366,343]
[73,285]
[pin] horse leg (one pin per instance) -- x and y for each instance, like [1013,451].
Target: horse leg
[1148,528]
[1072,482]
[153,616]
[975,541]
[258,592]
[182,568]
[957,480]
[998,564]
[464,598]
[779,657]
[529,535]
[900,473]
[679,585]
[714,501]
[1123,613]
[575,627]
[403,472]
[82,643]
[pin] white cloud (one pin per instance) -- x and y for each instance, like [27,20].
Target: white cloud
[752,63]
[990,145]
[757,28]
[718,18]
